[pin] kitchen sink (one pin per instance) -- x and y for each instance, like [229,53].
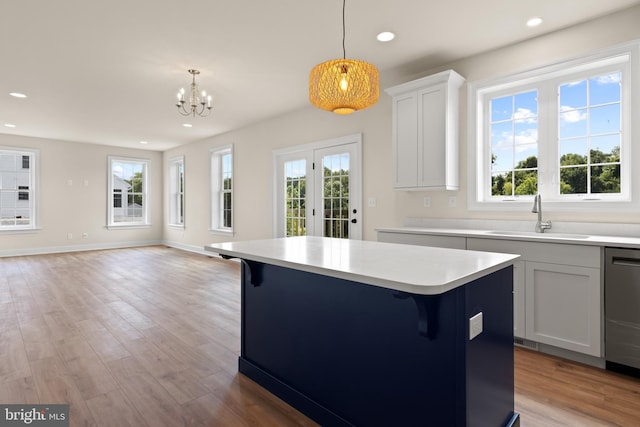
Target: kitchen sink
[533,234]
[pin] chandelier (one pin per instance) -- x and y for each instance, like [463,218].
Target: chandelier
[199,103]
[344,85]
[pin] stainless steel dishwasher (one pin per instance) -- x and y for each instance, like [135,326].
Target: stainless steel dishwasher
[622,310]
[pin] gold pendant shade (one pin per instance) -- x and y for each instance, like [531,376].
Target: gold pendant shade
[344,85]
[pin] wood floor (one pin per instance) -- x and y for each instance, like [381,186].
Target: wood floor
[150,337]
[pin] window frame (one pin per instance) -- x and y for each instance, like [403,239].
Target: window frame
[176,192]
[623,58]
[146,166]
[34,188]
[218,191]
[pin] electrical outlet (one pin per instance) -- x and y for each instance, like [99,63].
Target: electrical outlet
[69,236]
[475,326]
[426,202]
[372,202]
[453,201]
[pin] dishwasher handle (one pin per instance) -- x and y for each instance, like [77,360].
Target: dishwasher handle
[627,262]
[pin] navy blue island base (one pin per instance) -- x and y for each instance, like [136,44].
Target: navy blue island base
[351,354]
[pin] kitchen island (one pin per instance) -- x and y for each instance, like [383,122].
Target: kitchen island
[357,333]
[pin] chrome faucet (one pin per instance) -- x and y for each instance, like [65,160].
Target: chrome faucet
[537,208]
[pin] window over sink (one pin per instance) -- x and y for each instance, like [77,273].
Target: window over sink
[563,131]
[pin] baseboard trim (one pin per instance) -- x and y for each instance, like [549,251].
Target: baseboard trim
[189,248]
[76,248]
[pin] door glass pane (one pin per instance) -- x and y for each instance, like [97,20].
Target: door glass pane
[295,213]
[335,184]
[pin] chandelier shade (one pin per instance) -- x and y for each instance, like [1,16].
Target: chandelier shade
[344,85]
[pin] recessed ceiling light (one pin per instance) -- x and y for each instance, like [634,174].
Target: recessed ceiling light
[386,36]
[187,125]
[534,22]
[9,125]
[18,95]
[143,142]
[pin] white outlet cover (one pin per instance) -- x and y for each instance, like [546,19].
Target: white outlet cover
[475,326]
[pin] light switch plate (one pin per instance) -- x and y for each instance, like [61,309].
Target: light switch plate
[475,326]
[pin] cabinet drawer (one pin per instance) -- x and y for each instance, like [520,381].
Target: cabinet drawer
[452,242]
[554,253]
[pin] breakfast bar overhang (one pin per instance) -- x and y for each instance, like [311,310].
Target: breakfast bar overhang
[359,333]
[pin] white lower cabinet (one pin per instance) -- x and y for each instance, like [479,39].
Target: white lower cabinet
[557,292]
[563,306]
[557,288]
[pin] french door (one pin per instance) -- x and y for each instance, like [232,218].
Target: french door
[318,189]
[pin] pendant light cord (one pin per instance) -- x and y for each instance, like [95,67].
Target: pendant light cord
[344,50]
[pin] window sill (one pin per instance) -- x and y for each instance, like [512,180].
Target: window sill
[222,232]
[176,226]
[584,205]
[127,226]
[20,230]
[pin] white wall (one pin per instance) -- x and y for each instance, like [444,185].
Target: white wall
[545,50]
[253,147]
[254,144]
[77,208]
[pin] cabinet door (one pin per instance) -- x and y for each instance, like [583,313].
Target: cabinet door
[505,246]
[563,306]
[405,141]
[432,138]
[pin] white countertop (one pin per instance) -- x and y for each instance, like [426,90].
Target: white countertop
[550,236]
[414,269]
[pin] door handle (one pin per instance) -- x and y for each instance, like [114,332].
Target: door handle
[354,221]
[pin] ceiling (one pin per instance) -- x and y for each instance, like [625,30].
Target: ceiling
[107,72]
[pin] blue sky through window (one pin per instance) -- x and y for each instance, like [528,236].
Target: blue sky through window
[589,118]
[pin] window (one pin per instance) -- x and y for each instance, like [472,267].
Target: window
[514,144]
[590,134]
[128,192]
[561,131]
[176,192]
[23,193]
[222,189]
[17,189]
[117,198]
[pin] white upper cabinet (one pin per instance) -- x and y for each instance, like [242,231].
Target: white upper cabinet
[425,132]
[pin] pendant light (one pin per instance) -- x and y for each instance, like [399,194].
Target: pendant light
[344,85]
